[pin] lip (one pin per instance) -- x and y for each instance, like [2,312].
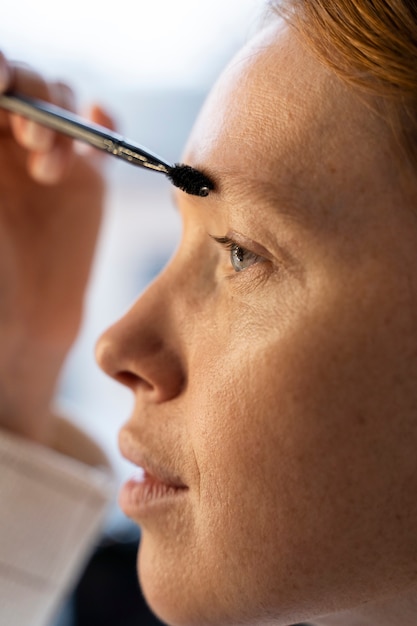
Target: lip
[143,496]
[152,487]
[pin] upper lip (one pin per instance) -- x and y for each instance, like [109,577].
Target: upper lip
[140,457]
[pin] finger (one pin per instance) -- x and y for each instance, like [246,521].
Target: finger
[51,168]
[99,116]
[64,97]
[23,79]
[51,159]
[48,168]
[50,153]
[28,134]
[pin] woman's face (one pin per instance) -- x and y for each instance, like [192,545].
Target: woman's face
[275,370]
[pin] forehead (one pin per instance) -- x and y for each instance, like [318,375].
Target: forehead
[278,117]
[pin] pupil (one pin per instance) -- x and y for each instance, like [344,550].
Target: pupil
[239,254]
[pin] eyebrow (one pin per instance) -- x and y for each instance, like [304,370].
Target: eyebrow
[175,192]
[232,186]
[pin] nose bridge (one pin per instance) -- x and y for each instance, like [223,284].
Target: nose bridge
[161,311]
[145,348]
[171,300]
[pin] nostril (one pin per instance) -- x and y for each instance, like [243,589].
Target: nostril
[129,379]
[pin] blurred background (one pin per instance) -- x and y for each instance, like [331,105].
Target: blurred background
[150,64]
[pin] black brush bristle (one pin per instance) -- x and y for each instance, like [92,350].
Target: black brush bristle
[190,180]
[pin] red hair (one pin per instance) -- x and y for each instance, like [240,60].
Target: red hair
[370,44]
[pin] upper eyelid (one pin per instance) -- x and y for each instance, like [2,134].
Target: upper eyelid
[230,244]
[224,241]
[228,241]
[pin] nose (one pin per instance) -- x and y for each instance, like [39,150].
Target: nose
[141,350]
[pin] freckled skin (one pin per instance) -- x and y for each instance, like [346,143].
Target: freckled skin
[284,395]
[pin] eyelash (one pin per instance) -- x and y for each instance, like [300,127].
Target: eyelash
[234,248]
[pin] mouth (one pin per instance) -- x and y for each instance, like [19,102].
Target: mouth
[152,487]
[144,495]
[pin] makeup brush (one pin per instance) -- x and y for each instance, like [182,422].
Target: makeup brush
[182,176]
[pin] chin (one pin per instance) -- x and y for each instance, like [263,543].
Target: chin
[180,592]
[175,591]
[165,585]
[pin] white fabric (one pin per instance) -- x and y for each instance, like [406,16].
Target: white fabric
[52,509]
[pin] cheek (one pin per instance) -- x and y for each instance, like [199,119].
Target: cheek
[305,439]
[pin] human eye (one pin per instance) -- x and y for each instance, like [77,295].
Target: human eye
[240,257]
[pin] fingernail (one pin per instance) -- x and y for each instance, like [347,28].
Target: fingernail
[4,73]
[47,168]
[37,137]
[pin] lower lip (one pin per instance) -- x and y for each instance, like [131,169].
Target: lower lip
[144,494]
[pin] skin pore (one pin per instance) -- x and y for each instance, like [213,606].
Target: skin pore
[282,395]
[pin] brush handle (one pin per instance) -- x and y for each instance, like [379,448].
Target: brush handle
[68,123]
